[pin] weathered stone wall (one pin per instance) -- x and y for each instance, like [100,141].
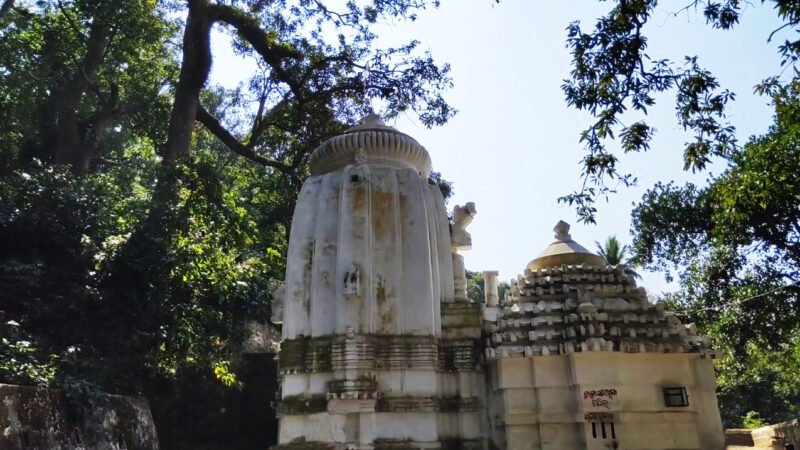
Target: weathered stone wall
[42,419]
[784,435]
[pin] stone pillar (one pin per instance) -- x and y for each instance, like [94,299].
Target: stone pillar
[459,278]
[490,287]
[461,241]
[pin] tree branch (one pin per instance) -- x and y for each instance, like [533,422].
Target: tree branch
[769,39]
[217,129]
[249,28]
[195,67]
[70,21]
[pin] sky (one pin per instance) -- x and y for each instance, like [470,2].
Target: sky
[513,147]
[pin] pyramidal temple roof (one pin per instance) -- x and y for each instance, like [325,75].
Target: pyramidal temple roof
[565,251]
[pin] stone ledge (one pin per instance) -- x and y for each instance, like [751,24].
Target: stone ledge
[428,404]
[298,405]
[445,444]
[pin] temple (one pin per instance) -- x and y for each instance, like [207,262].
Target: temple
[382,349]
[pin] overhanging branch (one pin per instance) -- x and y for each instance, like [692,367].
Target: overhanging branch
[217,129]
[248,27]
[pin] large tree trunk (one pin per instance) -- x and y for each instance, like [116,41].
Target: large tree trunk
[6,7]
[194,73]
[70,148]
[140,267]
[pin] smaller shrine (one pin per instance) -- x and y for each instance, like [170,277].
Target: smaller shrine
[579,358]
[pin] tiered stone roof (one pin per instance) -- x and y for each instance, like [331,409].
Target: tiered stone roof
[582,306]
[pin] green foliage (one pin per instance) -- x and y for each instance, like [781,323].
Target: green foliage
[19,362]
[475,291]
[734,245]
[475,287]
[78,79]
[613,75]
[143,213]
[614,253]
[446,187]
[753,420]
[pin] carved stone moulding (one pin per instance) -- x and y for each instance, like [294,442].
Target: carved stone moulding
[460,356]
[299,405]
[376,352]
[305,354]
[445,444]
[366,386]
[386,444]
[427,404]
[310,445]
[629,345]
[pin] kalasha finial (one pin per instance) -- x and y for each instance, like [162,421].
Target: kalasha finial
[372,120]
[562,231]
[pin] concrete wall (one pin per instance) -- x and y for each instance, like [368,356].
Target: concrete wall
[550,402]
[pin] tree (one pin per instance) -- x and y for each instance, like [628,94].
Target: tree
[153,209]
[616,254]
[735,245]
[732,242]
[613,74]
[75,70]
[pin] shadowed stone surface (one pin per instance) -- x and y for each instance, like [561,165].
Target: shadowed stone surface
[41,419]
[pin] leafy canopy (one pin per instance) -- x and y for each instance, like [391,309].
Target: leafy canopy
[735,245]
[151,207]
[617,81]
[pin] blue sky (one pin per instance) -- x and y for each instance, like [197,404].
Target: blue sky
[513,148]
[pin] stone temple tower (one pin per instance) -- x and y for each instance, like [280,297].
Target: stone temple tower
[365,359]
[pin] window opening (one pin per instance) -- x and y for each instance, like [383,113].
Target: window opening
[676,396]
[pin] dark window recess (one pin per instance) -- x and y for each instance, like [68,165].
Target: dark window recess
[355,178]
[25,438]
[676,396]
[604,432]
[76,437]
